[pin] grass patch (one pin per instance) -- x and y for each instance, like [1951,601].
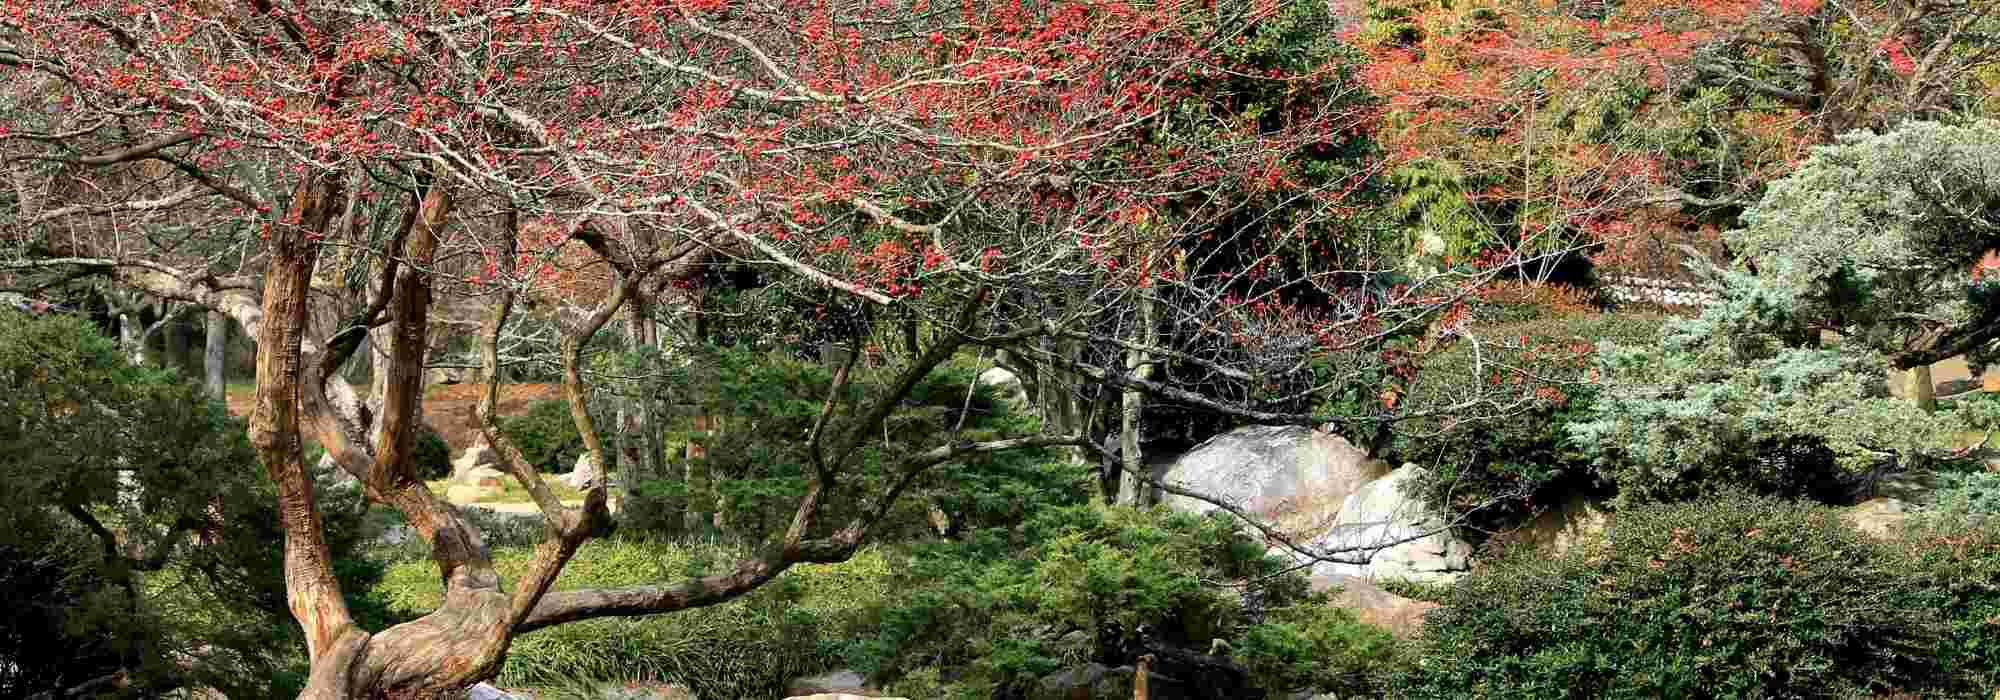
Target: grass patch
[745,648]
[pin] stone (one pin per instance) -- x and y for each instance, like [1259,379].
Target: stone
[445,375]
[1402,617]
[1563,527]
[1007,386]
[581,474]
[1878,517]
[485,691]
[1293,477]
[1409,542]
[478,455]
[837,681]
[328,477]
[1099,682]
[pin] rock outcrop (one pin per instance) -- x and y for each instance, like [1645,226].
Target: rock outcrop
[1408,540]
[582,474]
[1005,385]
[1293,477]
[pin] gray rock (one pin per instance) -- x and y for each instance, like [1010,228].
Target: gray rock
[485,691]
[1407,539]
[1569,524]
[838,681]
[446,375]
[580,475]
[478,456]
[1004,384]
[1294,477]
[329,477]
[1878,517]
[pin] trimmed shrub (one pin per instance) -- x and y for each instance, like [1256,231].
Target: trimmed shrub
[1076,584]
[546,435]
[432,455]
[1967,493]
[1736,597]
[1953,566]
[1524,455]
[746,648]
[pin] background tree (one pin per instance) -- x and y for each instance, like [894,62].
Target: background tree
[1875,238]
[1647,125]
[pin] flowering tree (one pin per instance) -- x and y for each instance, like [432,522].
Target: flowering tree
[325,171]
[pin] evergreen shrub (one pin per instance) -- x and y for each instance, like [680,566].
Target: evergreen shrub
[1738,596]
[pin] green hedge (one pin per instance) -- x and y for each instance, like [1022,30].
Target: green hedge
[546,434]
[1002,609]
[1735,597]
[746,648]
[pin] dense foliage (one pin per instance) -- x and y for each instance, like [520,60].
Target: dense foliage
[1875,239]
[755,457]
[1077,584]
[1525,457]
[134,525]
[546,435]
[747,648]
[1732,597]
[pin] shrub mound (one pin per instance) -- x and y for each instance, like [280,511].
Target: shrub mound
[1739,596]
[546,435]
[993,614]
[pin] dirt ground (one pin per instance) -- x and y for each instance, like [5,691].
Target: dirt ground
[448,408]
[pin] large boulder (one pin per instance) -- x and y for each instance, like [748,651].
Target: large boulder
[1408,540]
[841,684]
[446,375]
[582,474]
[479,456]
[837,681]
[1005,385]
[1294,477]
[1402,617]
